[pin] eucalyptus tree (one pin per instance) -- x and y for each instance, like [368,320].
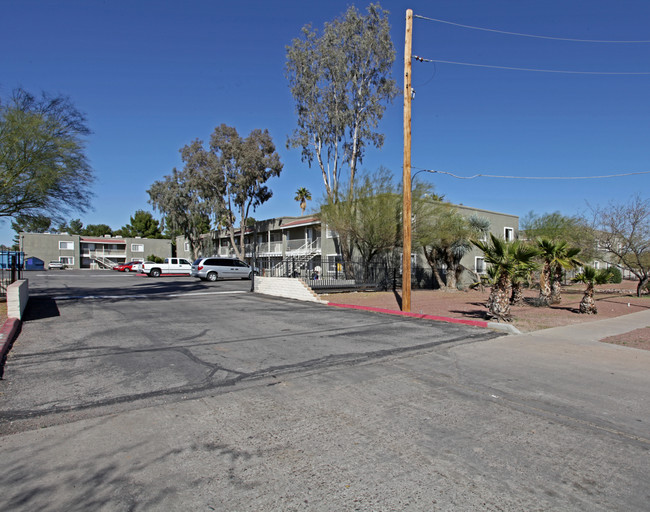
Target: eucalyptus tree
[341,82]
[221,183]
[184,212]
[44,170]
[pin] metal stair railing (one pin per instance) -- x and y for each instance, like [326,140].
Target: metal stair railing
[103,261]
[299,257]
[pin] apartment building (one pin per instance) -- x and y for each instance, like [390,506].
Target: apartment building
[78,251]
[285,243]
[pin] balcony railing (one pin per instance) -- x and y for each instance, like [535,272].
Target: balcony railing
[268,248]
[103,252]
[303,246]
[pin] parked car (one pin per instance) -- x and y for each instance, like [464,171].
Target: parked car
[52,265]
[131,266]
[170,266]
[213,268]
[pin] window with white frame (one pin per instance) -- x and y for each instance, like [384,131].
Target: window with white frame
[187,247]
[479,265]
[137,247]
[66,260]
[66,246]
[508,234]
[596,264]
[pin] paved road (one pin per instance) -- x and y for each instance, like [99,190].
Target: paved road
[193,396]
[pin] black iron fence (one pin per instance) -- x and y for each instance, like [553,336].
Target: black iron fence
[11,269]
[333,274]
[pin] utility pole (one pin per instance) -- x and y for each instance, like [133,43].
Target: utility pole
[406,201]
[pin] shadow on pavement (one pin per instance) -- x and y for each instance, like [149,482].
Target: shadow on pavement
[39,308]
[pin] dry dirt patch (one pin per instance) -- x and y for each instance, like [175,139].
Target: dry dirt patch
[612,301]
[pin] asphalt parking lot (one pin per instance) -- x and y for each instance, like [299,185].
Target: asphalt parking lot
[131,393]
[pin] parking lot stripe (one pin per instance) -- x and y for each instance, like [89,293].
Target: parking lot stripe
[138,296]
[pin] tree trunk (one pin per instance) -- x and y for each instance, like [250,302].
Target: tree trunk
[499,301]
[587,304]
[346,252]
[642,283]
[517,297]
[556,287]
[432,261]
[545,285]
[450,274]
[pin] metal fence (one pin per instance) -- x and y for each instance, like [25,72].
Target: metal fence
[11,268]
[333,274]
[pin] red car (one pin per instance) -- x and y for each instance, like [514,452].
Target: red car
[131,266]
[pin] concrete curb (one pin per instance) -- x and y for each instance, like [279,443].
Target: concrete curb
[8,334]
[507,328]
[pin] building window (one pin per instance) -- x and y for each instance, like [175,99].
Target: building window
[67,246]
[596,264]
[508,234]
[187,247]
[479,265]
[334,264]
[330,233]
[67,260]
[137,247]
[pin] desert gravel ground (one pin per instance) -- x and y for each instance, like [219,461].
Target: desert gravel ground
[613,300]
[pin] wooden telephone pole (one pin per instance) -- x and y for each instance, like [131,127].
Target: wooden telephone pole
[406,201]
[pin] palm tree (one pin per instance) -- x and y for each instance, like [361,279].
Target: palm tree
[506,257]
[565,260]
[556,256]
[302,196]
[521,275]
[591,276]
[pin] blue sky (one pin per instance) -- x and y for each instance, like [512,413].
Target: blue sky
[151,76]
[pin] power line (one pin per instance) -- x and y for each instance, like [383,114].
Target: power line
[530,177]
[530,35]
[536,70]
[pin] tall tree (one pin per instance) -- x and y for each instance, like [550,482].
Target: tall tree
[74,227]
[43,166]
[623,230]
[142,224]
[302,196]
[184,212]
[35,224]
[97,230]
[341,81]
[222,184]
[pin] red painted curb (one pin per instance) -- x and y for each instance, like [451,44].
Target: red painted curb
[8,332]
[474,323]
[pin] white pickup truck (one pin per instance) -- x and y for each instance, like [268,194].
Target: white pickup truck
[171,266]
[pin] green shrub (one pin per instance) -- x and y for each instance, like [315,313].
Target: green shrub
[154,259]
[615,275]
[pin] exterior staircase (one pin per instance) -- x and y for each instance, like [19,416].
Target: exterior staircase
[297,259]
[104,262]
